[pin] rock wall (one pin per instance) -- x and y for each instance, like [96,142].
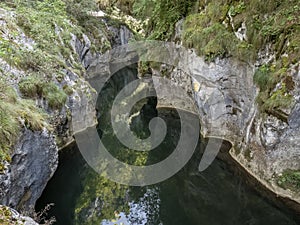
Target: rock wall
[33,163]
[35,155]
[35,158]
[225,95]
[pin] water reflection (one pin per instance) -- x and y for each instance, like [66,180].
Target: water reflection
[143,211]
[213,197]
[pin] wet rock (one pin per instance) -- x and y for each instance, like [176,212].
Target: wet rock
[33,163]
[271,131]
[120,35]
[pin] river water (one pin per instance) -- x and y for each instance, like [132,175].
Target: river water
[216,196]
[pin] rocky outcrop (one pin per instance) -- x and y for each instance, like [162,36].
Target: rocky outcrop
[263,144]
[224,91]
[34,162]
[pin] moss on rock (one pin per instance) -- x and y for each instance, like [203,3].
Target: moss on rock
[290,179]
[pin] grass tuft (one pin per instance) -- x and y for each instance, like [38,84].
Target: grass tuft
[54,95]
[35,86]
[15,113]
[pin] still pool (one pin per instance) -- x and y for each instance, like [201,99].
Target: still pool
[216,196]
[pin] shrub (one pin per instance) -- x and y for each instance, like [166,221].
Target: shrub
[290,179]
[271,97]
[262,77]
[31,86]
[211,41]
[279,98]
[163,15]
[34,118]
[35,86]
[54,95]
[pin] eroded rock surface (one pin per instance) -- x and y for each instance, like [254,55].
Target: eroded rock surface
[33,164]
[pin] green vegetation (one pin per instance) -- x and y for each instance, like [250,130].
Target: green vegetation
[54,95]
[110,196]
[209,28]
[274,24]
[275,86]
[89,25]
[48,24]
[34,86]
[290,179]
[43,57]
[31,86]
[13,113]
[205,32]
[161,15]
[6,216]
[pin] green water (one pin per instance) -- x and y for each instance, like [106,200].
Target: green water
[213,197]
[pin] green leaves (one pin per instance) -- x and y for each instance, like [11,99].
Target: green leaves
[53,7]
[162,15]
[275,86]
[290,179]
[262,77]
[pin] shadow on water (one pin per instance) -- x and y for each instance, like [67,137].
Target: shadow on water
[213,197]
[65,186]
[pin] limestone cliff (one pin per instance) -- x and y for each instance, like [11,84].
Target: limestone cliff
[32,156]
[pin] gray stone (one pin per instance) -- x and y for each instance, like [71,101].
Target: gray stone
[33,163]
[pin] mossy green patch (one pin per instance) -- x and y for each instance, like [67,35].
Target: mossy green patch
[275,88]
[31,86]
[211,41]
[6,216]
[290,179]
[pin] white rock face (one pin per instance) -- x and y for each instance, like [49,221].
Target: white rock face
[241,33]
